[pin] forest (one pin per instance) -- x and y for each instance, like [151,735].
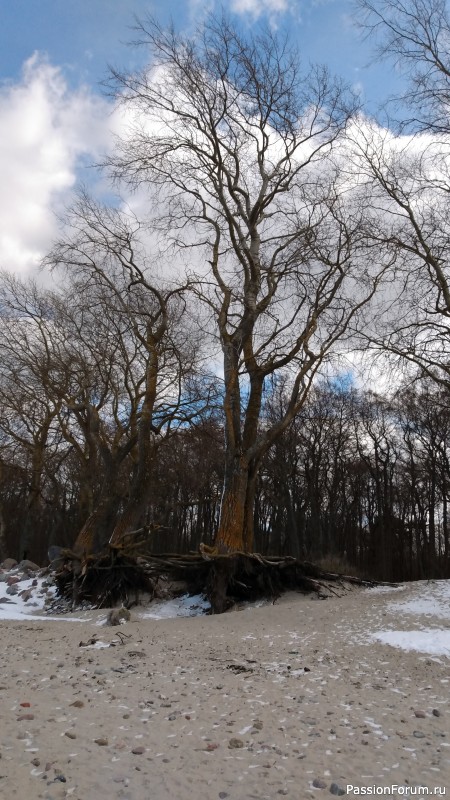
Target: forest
[255,357]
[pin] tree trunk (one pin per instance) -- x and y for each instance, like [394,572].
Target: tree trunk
[134,509]
[146,448]
[3,543]
[96,531]
[249,510]
[234,507]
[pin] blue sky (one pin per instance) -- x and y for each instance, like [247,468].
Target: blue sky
[83,36]
[54,119]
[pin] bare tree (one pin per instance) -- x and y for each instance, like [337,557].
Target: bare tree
[407,185]
[415,35]
[235,141]
[155,388]
[408,182]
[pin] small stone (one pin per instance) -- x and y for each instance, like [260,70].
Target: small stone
[223,795]
[77,704]
[70,735]
[138,751]
[419,734]
[172,717]
[102,742]
[318,783]
[61,778]
[36,762]
[436,712]
[258,725]
[211,747]
[8,563]
[337,790]
[26,564]
[25,716]
[419,714]
[25,705]
[235,744]
[282,791]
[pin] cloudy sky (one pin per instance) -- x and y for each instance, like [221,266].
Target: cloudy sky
[55,122]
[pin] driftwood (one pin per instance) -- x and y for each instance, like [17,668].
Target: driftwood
[117,576]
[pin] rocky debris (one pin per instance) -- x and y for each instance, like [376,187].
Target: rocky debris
[318,783]
[23,584]
[117,616]
[235,744]
[28,565]
[337,790]
[436,712]
[419,714]
[8,563]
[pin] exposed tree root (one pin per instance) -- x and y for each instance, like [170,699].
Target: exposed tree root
[116,577]
[104,581]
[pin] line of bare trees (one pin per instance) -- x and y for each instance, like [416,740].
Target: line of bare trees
[174,375]
[357,476]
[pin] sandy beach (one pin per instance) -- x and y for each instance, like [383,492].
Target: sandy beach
[294,699]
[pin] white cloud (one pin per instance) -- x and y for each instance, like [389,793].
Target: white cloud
[46,132]
[258,7]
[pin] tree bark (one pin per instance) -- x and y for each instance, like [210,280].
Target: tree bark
[230,535]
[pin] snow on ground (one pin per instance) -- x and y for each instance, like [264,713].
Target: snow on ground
[431,641]
[420,610]
[430,598]
[428,602]
[21,607]
[185,606]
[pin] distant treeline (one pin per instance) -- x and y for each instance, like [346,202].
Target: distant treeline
[357,478]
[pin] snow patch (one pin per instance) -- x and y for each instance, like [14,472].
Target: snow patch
[185,606]
[430,641]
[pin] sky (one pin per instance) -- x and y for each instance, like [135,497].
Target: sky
[56,121]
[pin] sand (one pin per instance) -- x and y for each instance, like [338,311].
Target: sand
[257,703]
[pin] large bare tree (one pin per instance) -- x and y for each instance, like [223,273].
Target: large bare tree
[235,141]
